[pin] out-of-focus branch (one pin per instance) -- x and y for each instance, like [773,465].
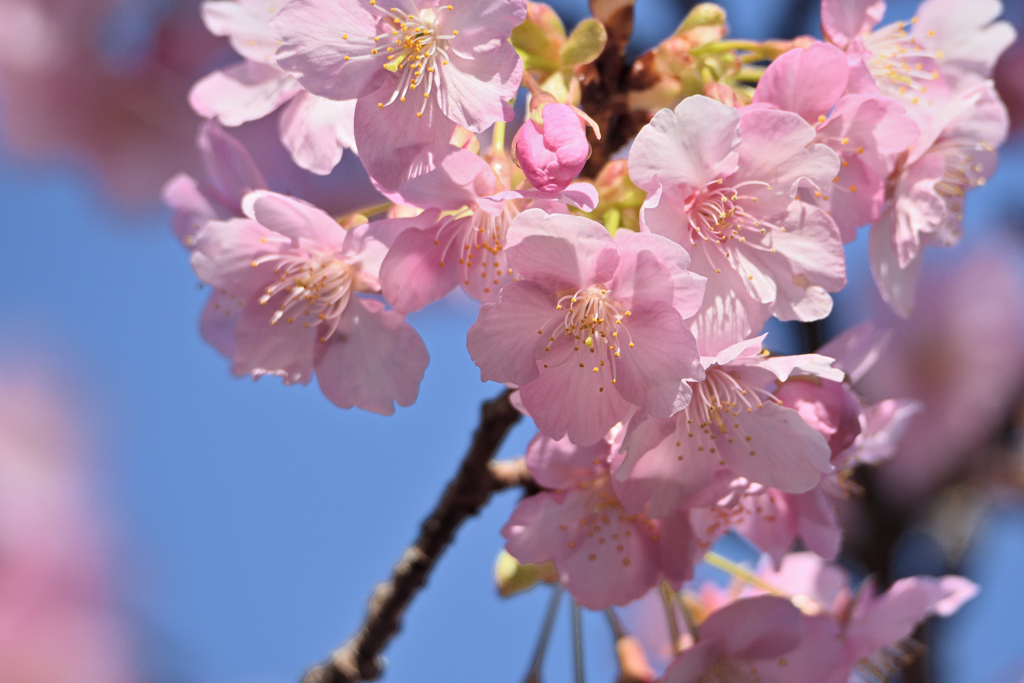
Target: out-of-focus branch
[478,478]
[604,84]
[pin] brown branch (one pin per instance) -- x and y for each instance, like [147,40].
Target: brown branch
[478,478]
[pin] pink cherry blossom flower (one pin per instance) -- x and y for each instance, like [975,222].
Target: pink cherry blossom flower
[956,153]
[460,239]
[594,327]
[722,182]
[553,152]
[968,36]
[69,94]
[874,628]
[733,422]
[866,631]
[58,617]
[934,358]
[231,174]
[950,38]
[866,132]
[452,62]
[287,280]
[773,519]
[604,555]
[314,129]
[762,639]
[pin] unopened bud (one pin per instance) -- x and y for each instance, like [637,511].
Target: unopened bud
[514,577]
[539,40]
[554,152]
[704,14]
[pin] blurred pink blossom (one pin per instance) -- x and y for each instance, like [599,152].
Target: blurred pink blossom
[934,357]
[58,619]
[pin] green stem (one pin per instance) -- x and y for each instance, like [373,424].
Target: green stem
[668,600]
[725,46]
[740,573]
[499,136]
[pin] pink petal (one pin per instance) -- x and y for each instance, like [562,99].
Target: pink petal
[844,20]
[777,149]
[561,251]
[394,144]
[546,526]
[890,617]
[316,131]
[316,37]
[568,399]
[219,322]
[293,218]
[475,91]
[729,314]
[691,665]
[224,253]
[422,265]
[783,452]
[755,628]
[191,207]
[482,23]
[819,653]
[503,342]
[616,562]
[374,360]
[809,261]
[659,478]
[228,166]
[818,525]
[662,356]
[460,179]
[807,82]
[284,349]
[562,464]
[690,146]
[652,267]
[246,24]
[244,92]
[770,523]
[895,284]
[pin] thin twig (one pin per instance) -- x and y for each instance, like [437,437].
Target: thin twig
[545,635]
[577,641]
[478,478]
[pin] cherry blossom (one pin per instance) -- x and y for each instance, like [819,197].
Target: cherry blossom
[593,327]
[733,422]
[722,183]
[866,132]
[956,153]
[315,130]
[288,277]
[417,68]
[604,555]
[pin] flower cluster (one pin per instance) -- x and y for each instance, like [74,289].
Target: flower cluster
[627,311]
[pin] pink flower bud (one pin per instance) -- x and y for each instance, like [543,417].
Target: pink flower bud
[554,153]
